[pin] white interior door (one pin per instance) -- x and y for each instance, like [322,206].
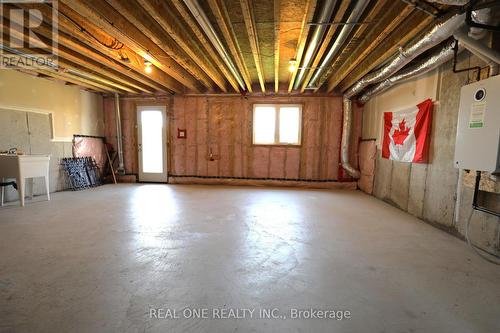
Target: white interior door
[152,143]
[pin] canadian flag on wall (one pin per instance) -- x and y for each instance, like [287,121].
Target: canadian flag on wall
[407,133]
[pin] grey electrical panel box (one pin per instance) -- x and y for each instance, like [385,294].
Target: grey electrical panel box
[478,132]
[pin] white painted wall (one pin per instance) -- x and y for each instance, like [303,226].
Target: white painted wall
[73,110]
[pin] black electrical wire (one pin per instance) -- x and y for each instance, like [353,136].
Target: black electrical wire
[486,255]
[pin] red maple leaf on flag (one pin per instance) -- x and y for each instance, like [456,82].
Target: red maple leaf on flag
[401,134]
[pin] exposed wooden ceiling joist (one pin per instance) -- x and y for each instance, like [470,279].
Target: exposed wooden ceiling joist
[246,7]
[106,44]
[207,46]
[307,18]
[277,20]
[147,83]
[95,42]
[108,19]
[170,23]
[44,33]
[67,77]
[15,32]
[139,19]
[389,20]
[219,10]
[357,35]
[415,23]
[326,42]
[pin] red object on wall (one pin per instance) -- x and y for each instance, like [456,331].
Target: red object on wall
[407,133]
[181,133]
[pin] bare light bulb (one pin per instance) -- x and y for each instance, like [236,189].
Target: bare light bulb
[292,65]
[149,67]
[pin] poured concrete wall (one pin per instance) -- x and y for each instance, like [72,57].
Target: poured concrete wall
[429,191]
[223,126]
[72,110]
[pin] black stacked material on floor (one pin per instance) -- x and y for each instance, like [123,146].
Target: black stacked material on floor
[82,172]
[9,184]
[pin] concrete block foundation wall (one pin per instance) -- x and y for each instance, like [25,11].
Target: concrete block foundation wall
[429,191]
[223,126]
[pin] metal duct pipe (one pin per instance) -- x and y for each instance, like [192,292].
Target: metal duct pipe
[443,55]
[431,62]
[205,24]
[476,47]
[436,35]
[119,138]
[355,15]
[482,16]
[451,2]
[317,36]
[346,138]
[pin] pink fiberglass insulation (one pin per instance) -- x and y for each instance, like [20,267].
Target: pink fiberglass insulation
[292,166]
[277,162]
[219,137]
[260,162]
[367,156]
[90,147]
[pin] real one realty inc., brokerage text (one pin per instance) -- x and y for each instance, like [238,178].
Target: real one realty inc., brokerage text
[248,313]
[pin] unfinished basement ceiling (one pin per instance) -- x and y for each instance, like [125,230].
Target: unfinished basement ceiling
[104,45]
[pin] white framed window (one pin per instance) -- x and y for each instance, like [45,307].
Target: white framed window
[277,124]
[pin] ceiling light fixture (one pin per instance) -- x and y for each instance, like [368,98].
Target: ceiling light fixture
[149,67]
[292,65]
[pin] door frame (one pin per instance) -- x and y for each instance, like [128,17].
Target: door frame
[153,177]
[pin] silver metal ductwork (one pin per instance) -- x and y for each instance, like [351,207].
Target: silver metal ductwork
[354,17]
[468,40]
[482,16]
[451,2]
[204,22]
[440,32]
[317,36]
[346,138]
[434,60]
[119,137]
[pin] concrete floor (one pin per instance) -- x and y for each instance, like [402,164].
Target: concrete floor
[100,260]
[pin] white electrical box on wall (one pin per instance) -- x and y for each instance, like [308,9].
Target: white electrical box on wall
[478,132]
